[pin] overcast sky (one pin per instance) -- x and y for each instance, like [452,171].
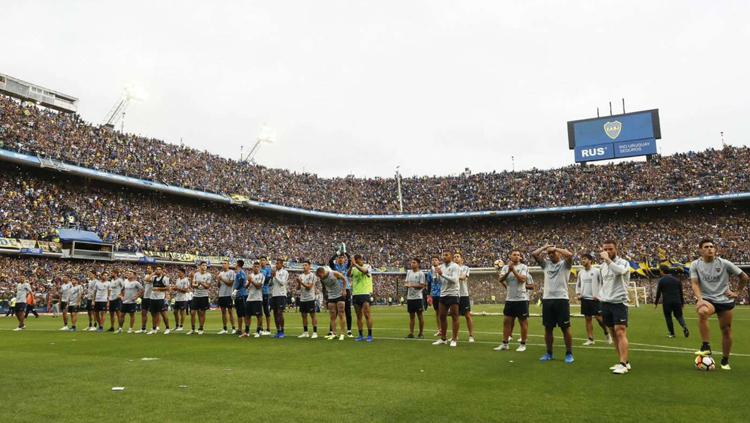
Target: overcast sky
[361,87]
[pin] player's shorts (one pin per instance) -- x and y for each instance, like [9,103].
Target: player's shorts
[239,305]
[721,307]
[20,307]
[254,308]
[414,306]
[128,308]
[89,305]
[72,309]
[115,305]
[517,309]
[145,304]
[200,303]
[266,305]
[590,307]
[63,305]
[449,300]
[278,303]
[225,302]
[337,300]
[614,314]
[156,306]
[307,306]
[556,312]
[360,300]
[100,306]
[180,305]
[435,302]
[464,305]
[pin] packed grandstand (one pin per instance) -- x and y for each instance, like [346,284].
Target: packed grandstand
[35,203]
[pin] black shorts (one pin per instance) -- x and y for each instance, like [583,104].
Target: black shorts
[556,312]
[435,302]
[180,305]
[72,309]
[100,306]
[614,314]
[278,303]
[307,306]
[266,305]
[464,305]
[157,306]
[89,305]
[720,308]
[414,306]
[336,300]
[63,305]
[254,308]
[225,302]
[239,305]
[128,308]
[590,307]
[518,309]
[115,305]
[200,303]
[449,300]
[145,304]
[20,307]
[360,300]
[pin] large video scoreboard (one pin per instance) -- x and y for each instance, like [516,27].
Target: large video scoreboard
[614,137]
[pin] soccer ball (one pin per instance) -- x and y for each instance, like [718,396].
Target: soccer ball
[499,264]
[705,363]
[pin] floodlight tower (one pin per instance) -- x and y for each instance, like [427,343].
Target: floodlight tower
[117,112]
[265,135]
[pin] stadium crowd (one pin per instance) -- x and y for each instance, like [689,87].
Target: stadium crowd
[30,129]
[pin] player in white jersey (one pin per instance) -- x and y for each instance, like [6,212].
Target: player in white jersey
[23,290]
[335,285]
[90,288]
[615,275]
[515,278]
[101,296]
[416,281]
[160,288]
[202,281]
[448,274]
[182,290]
[225,282]
[75,299]
[306,285]
[709,278]
[464,300]
[146,300]
[131,291]
[279,280]
[435,292]
[115,300]
[254,301]
[64,300]
[588,284]
[555,298]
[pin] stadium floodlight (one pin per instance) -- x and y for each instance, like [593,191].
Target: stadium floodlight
[266,135]
[131,92]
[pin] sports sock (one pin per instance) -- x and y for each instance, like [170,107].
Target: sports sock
[724,361]
[705,347]
[304,328]
[247,328]
[315,329]
[360,332]
[369,332]
[225,327]
[568,352]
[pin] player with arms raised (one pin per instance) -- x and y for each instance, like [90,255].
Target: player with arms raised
[555,300]
[615,276]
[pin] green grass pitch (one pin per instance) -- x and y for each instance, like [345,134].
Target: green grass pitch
[50,375]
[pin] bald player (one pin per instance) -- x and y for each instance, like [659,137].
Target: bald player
[335,284]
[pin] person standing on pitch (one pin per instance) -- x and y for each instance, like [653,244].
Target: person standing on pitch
[360,277]
[90,303]
[65,288]
[415,284]
[240,293]
[515,278]
[555,300]
[75,297]
[131,290]
[709,278]
[181,289]
[266,270]
[158,304]
[342,262]
[671,289]
[226,282]
[115,302]
[254,304]
[23,289]
[101,296]
[279,279]
[613,294]
[588,284]
[306,286]
[201,284]
[448,273]
[435,287]
[146,300]
[464,300]
[335,285]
